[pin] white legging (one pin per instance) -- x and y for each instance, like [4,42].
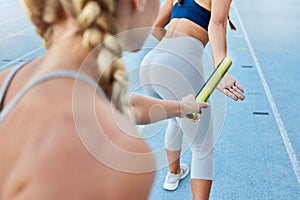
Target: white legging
[172,70]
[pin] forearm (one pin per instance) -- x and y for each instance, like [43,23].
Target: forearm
[217,29]
[217,39]
[162,20]
[148,110]
[158,33]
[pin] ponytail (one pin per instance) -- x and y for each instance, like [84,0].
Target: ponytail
[232,26]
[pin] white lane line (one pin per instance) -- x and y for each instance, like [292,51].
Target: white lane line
[20,58]
[283,132]
[16,33]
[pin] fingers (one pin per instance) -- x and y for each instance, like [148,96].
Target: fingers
[203,105]
[193,120]
[239,87]
[190,108]
[228,93]
[234,94]
[237,92]
[233,89]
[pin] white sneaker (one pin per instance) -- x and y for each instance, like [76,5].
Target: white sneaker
[172,180]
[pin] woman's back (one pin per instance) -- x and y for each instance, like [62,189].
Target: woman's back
[62,139]
[42,147]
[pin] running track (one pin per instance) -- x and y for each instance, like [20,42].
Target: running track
[258,153]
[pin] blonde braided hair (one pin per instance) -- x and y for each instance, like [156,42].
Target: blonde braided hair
[96,25]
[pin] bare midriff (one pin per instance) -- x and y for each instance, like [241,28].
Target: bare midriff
[179,27]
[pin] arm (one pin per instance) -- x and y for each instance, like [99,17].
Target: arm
[162,20]
[148,110]
[217,38]
[217,29]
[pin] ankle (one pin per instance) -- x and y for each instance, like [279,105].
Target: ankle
[176,170]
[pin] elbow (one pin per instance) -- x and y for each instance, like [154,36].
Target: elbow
[160,24]
[216,24]
[216,28]
[136,109]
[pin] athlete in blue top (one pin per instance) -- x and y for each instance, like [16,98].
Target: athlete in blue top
[173,69]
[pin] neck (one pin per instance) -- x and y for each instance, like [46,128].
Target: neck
[67,51]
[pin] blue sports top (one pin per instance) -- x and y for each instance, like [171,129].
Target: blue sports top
[192,11]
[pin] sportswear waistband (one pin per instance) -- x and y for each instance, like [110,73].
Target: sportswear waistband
[183,44]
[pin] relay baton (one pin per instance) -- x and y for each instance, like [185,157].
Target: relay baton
[211,83]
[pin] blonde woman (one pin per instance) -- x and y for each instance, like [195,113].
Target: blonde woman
[61,135]
[191,24]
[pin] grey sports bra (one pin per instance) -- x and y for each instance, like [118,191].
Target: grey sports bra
[4,111]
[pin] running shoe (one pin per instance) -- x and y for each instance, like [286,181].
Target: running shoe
[172,180]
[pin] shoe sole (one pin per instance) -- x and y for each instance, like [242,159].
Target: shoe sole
[171,187]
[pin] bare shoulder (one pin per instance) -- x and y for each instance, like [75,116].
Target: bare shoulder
[88,151]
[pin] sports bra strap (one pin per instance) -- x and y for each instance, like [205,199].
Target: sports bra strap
[57,74]
[7,82]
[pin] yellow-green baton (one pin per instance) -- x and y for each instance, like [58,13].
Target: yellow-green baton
[212,83]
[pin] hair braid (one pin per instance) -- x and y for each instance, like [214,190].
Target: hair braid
[96,24]
[95,20]
[43,14]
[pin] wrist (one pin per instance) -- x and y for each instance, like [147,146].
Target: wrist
[174,109]
[179,109]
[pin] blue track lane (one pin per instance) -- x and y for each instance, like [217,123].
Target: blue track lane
[254,159]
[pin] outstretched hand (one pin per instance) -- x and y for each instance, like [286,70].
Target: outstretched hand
[190,105]
[231,88]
